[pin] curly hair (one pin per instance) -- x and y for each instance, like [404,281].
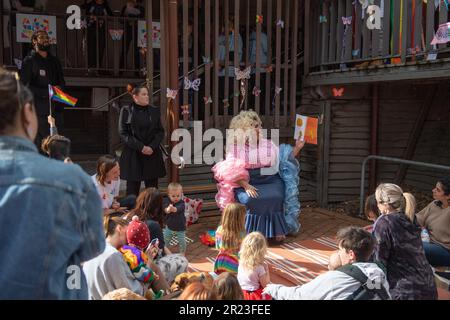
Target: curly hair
[56,146]
[253,250]
[246,120]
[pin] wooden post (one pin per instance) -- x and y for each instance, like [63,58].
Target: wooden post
[149,53]
[374,137]
[324,154]
[2,45]
[172,31]
[307,38]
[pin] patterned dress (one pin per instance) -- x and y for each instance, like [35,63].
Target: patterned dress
[228,257]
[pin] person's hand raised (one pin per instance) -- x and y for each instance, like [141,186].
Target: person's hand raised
[299,144]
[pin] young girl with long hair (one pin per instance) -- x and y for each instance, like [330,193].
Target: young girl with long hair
[229,236]
[253,272]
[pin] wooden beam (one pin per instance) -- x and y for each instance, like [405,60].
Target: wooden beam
[416,132]
[437,70]
[326,151]
[374,136]
[307,38]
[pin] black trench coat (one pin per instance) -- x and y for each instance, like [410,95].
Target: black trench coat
[142,128]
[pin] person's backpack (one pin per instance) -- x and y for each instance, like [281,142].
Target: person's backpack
[367,290]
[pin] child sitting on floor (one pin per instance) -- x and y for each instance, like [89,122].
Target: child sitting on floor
[138,237]
[228,238]
[174,217]
[226,287]
[253,272]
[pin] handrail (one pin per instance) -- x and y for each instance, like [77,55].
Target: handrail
[389,159]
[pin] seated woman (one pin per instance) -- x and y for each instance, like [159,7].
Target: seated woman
[436,219]
[149,208]
[399,246]
[107,182]
[261,176]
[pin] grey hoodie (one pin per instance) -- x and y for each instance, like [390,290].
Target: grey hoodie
[333,285]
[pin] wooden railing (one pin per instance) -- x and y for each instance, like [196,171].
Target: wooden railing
[406,31]
[74,47]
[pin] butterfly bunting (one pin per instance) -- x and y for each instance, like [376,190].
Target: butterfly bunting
[194,84]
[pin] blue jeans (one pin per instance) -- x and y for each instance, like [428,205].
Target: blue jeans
[436,254]
[180,236]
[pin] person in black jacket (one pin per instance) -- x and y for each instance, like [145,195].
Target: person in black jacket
[39,69]
[141,131]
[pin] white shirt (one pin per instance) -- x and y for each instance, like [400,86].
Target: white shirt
[249,279]
[108,192]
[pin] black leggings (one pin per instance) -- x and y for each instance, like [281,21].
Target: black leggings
[133,187]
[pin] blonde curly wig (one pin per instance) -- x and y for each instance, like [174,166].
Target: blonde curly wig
[246,120]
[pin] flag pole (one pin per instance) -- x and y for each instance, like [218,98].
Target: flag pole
[50,96]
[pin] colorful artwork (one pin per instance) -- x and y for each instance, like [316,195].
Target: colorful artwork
[306,129]
[142,35]
[27,24]
[442,35]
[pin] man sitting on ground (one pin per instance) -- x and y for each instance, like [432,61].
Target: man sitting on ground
[357,279]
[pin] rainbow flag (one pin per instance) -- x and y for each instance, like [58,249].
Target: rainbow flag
[57,94]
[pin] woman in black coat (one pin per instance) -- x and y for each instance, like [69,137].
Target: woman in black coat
[141,131]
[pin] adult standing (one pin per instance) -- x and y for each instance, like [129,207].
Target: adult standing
[436,219]
[149,208]
[51,216]
[141,131]
[96,30]
[399,246]
[39,70]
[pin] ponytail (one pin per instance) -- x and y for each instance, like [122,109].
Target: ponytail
[111,221]
[410,206]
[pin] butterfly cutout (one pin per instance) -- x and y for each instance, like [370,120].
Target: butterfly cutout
[206,60]
[226,103]
[241,75]
[194,85]
[259,19]
[18,63]
[323,19]
[278,90]
[207,100]
[338,92]
[280,23]
[171,94]
[269,69]
[185,109]
[116,35]
[347,20]
[256,91]
[355,52]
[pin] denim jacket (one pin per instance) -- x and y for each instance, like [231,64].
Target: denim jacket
[50,222]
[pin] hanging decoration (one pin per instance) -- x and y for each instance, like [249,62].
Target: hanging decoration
[374,20]
[338,92]
[259,19]
[323,19]
[207,100]
[171,94]
[185,109]
[277,92]
[269,69]
[347,21]
[194,84]
[226,103]
[206,60]
[242,76]
[116,34]
[256,91]
[442,34]
[280,23]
